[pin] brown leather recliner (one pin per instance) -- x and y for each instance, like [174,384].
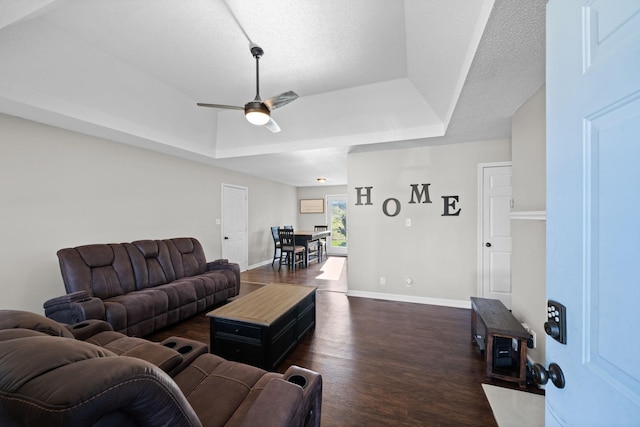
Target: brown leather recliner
[48,377]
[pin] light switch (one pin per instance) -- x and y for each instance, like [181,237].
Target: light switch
[407,222]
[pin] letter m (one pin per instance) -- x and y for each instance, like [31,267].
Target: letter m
[416,193]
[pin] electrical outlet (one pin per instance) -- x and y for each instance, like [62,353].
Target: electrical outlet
[383,280]
[533,337]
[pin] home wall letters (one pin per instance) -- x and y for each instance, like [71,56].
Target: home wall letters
[391,206]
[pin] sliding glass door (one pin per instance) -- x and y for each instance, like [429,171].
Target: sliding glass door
[337,221]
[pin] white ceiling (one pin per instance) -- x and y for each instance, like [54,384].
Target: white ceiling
[371,75]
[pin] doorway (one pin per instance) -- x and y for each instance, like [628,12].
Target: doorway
[234,224]
[337,221]
[494,231]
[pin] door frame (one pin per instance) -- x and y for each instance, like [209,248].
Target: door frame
[246,222]
[479,239]
[330,249]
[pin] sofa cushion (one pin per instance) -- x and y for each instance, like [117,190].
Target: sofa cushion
[210,375]
[216,285]
[137,313]
[104,270]
[151,263]
[187,256]
[182,300]
[274,404]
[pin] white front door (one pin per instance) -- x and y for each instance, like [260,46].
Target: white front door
[234,225]
[593,209]
[495,233]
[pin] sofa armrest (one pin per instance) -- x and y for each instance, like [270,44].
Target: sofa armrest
[83,330]
[224,264]
[278,405]
[311,383]
[157,354]
[19,319]
[75,307]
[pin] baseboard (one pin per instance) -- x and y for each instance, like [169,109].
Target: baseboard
[410,298]
[260,264]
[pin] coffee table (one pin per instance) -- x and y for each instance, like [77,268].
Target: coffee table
[262,327]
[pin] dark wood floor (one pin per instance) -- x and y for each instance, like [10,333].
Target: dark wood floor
[383,363]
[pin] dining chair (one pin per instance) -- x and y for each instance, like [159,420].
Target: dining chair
[290,253]
[313,251]
[276,243]
[322,242]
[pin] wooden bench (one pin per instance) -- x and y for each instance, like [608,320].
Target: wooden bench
[495,329]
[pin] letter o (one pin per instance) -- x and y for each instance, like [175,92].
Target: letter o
[386,203]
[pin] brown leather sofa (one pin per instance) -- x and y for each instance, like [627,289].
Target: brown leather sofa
[142,286]
[49,377]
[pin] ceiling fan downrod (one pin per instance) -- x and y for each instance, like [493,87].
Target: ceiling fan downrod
[257,52]
[256,111]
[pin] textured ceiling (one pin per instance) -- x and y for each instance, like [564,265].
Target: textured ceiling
[371,75]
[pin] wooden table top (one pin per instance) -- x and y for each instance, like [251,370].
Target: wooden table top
[311,233]
[497,318]
[265,305]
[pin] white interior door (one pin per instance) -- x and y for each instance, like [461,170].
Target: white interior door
[234,225]
[337,221]
[593,206]
[495,240]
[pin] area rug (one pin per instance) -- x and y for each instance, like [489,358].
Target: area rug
[514,407]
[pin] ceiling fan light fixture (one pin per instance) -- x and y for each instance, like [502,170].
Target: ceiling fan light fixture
[257,113]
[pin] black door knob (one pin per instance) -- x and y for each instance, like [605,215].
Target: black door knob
[555,374]
[226,238]
[488,244]
[552,329]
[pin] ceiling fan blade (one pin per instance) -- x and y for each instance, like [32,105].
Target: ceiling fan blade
[280,100]
[272,125]
[226,107]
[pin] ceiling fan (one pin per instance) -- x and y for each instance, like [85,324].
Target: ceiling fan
[258,112]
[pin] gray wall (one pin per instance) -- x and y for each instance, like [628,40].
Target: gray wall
[309,220]
[61,189]
[528,236]
[438,253]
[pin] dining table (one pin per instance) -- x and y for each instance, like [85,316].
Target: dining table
[303,237]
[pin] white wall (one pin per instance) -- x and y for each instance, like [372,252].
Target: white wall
[528,236]
[438,253]
[308,220]
[62,189]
